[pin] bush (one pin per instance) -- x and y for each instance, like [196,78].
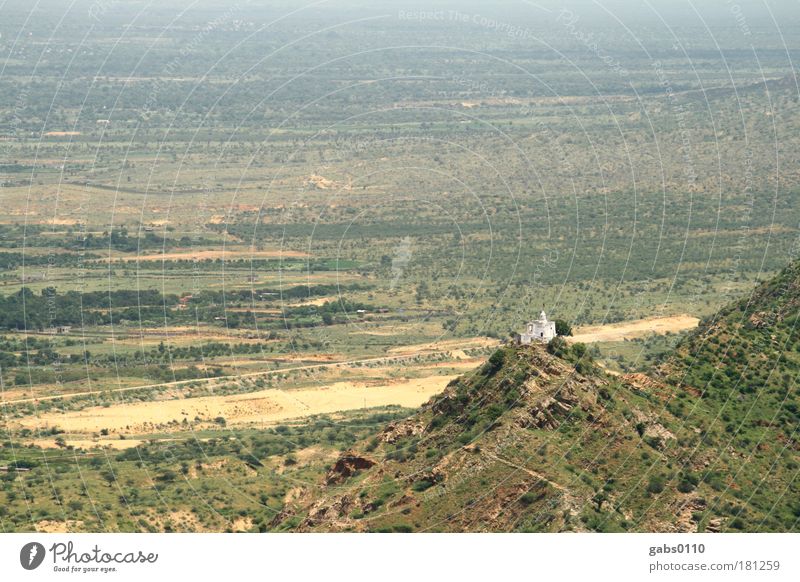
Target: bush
[558,347]
[688,483]
[422,485]
[655,442]
[168,476]
[656,484]
[494,411]
[496,360]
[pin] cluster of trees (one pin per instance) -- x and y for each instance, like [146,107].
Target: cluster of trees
[330,312]
[10,261]
[27,310]
[275,294]
[118,240]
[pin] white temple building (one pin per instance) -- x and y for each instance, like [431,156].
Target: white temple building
[539,330]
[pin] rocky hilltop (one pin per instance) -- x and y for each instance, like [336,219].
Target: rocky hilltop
[540,439]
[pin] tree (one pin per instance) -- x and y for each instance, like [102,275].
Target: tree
[563,327]
[496,360]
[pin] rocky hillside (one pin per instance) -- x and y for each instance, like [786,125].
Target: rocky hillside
[539,439]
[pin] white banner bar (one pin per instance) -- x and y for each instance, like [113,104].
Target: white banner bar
[406,557]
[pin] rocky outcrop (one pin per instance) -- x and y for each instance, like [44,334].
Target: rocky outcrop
[346,466]
[402,429]
[546,414]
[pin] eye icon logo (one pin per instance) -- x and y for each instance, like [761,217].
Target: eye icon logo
[31,555]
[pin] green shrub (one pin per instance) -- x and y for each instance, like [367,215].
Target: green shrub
[558,347]
[422,485]
[656,484]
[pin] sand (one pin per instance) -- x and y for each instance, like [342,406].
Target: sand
[226,254]
[315,302]
[634,329]
[254,409]
[322,183]
[87,444]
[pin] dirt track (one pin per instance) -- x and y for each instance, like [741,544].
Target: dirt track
[614,332]
[324,364]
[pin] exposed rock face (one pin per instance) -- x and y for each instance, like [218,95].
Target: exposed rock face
[650,426]
[649,385]
[330,511]
[546,413]
[346,466]
[398,430]
[656,430]
[446,402]
[761,319]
